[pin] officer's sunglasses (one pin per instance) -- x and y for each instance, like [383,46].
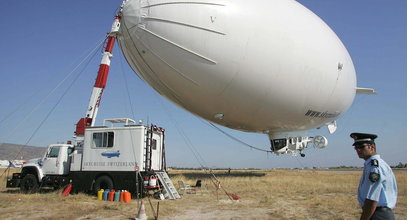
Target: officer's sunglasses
[361,146]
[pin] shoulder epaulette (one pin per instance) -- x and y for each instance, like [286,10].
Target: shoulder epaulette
[374,162]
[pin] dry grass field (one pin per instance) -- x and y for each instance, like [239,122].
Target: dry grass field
[265,194]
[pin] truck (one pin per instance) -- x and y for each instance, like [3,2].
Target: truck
[110,157]
[127,157]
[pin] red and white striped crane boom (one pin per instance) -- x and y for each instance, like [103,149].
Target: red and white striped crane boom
[100,83]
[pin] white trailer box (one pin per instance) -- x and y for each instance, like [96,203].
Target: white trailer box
[120,149]
[110,154]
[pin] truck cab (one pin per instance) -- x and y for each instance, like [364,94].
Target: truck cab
[50,170]
[56,161]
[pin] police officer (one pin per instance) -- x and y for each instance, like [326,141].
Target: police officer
[377,192]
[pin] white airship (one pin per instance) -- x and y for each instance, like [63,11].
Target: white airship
[269,66]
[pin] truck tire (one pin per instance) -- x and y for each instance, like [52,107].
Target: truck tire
[29,184]
[102,182]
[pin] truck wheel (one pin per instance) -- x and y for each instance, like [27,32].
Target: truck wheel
[29,184]
[102,182]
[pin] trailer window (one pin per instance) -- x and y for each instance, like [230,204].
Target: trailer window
[103,139]
[154,144]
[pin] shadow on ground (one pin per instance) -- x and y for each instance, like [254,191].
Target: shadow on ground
[194,175]
[17,191]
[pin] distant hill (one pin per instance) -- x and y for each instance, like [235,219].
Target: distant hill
[10,151]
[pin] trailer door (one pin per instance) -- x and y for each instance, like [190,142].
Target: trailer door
[156,151]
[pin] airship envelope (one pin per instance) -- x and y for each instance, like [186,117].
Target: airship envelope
[269,66]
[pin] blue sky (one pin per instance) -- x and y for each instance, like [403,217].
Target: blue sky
[41,41]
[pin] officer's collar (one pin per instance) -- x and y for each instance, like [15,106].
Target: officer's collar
[376,156]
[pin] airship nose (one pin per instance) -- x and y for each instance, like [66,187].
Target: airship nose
[132,13]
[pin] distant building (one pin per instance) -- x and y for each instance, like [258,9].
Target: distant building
[14,163]
[4,163]
[18,163]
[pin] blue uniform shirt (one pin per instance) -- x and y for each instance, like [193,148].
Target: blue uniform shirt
[381,188]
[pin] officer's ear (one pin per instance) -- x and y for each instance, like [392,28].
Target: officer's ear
[373,145]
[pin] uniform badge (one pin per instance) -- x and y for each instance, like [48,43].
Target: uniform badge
[374,177]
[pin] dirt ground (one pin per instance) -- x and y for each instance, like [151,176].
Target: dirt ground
[264,195]
[191,206]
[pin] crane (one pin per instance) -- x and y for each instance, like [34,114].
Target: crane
[100,83]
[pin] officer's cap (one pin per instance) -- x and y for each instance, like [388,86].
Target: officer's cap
[361,138]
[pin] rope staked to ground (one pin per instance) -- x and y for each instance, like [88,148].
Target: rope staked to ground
[195,152]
